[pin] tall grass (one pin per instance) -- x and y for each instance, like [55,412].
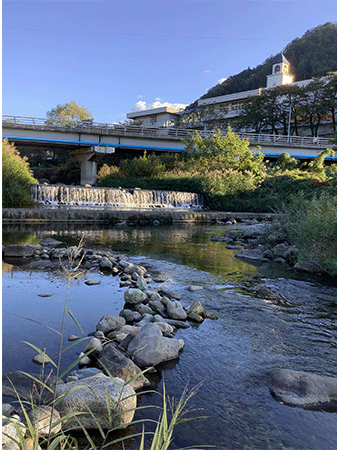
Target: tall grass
[311,225]
[53,438]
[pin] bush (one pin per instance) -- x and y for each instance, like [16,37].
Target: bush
[312,226]
[17,178]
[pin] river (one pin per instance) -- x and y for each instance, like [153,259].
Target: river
[231,357]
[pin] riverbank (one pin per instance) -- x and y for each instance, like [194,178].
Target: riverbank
[112,215]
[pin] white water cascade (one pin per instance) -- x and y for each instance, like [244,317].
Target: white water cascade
[126,198]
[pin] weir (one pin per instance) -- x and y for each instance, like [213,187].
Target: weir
[126,198]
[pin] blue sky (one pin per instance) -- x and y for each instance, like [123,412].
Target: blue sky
[109,55]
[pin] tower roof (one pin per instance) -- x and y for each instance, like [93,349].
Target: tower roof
[280,58]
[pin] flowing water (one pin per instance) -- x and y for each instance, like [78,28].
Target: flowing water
[231,357]
[126,198]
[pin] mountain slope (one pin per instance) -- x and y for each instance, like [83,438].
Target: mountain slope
[312,55]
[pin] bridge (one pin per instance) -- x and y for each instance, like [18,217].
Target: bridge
[88,142]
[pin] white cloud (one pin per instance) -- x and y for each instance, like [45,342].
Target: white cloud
[206,71]
[141,105]
[222,80]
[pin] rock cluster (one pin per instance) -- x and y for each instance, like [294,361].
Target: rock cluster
[118,351]
[259,242]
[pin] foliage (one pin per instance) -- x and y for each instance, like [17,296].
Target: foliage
[17,177]
[225,152]
[312,55]
[313,229]
[144,166]
[274,108]
[69,114]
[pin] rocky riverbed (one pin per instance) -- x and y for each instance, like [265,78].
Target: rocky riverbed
[125,344]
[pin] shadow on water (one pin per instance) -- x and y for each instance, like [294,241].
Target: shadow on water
[293,327]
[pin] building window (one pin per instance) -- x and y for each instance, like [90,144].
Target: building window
[237,106]
[153,119]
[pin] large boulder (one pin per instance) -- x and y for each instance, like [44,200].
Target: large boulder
[26,386]
[45,420]
[18,251]
[304,389]
[150,347]
[92,394]
[254,255]
[118,365]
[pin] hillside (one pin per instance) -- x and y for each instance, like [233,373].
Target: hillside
[312,55]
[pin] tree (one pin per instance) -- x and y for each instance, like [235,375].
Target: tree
[226,152]
[69,114]
[16,177]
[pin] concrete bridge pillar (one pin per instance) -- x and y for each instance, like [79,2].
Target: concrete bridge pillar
[88,157]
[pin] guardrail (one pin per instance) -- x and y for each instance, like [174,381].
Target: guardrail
[183,133]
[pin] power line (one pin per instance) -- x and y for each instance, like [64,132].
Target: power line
[166,36]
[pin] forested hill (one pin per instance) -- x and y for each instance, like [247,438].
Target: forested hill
[312,55]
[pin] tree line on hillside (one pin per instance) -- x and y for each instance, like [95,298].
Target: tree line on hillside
[312,55]
[312,104]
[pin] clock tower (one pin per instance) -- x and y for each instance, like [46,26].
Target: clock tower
[280,72]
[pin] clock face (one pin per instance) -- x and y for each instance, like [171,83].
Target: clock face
[277,69]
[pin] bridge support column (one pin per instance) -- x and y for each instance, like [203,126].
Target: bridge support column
[88,157]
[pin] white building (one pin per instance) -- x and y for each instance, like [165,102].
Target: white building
[165,116]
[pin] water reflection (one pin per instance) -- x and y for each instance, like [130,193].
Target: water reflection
[185,244]
[294,328]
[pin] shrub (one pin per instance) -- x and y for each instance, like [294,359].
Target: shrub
[312,226]
[17,177]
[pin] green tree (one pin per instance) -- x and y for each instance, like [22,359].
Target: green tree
[226,152]
[16,177]
[69,114]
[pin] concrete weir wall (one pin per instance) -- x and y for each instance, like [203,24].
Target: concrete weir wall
[50,215]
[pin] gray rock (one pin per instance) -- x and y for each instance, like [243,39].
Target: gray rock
[16,383]
[84,359]
[144,309]
[147,318]
[94,393]
[170,294]
[49,242]
[157,306]
[115,363]
[280,249]
[254,231]
[72,338]
[110,323]
[105,264]
[141,283]
[40,359]
[18,251]
[85,373]
[93,347]
[309,267]
[176,311]
[45,419]
[150,348]
[134,296]
[195,288]
[9,429]
[130,316]
[250,255]
[268,254]
[304,389]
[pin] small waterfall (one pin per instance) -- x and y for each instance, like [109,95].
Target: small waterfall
[126,198]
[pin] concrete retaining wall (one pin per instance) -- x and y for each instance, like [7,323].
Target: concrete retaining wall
[104,215]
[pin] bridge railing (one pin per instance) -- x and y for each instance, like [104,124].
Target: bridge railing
[183,133]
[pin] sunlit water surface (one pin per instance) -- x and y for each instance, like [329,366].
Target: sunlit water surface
[232,357]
